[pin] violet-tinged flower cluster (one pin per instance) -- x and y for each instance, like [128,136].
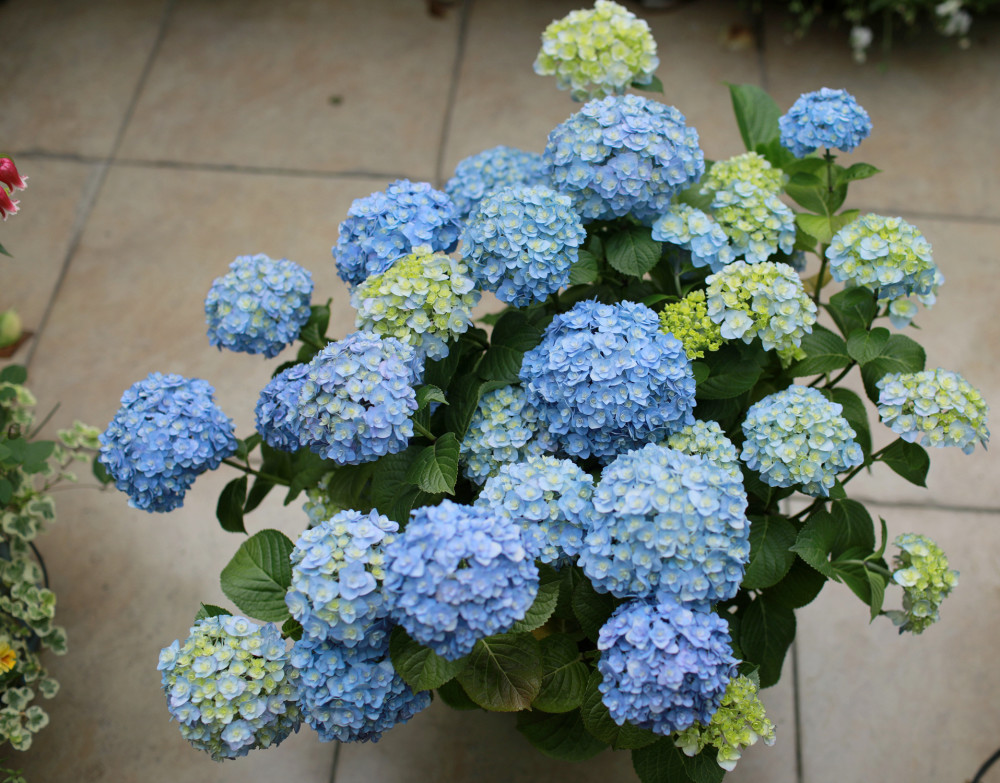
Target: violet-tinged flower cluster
[521,241]
[668,526]
[798,437]
[706,439]
[688,321]
[231,687]
[457,574]
[825,118]
[388,225]
[664,666]
[765,300]
[167,432]
[498,167]
[604,378]
[624,155]
[337,570]
[935,407]
[693,230]
[353,694]
[424,299]
[597,52]
[505,428]
[885,255]
[549,498]
[922,570]
[275,413]
[259,306]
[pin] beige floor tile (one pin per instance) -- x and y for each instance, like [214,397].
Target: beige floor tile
[250,83]
[70,70]
[880,706]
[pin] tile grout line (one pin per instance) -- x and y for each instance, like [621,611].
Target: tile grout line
[449,110]
[796,701]
[958,509]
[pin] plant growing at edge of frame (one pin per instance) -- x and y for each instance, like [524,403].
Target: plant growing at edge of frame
[578,515]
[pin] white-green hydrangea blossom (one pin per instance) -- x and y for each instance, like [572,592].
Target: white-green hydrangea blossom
[922,570]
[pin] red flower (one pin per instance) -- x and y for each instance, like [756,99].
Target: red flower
[7,206]
[10,177]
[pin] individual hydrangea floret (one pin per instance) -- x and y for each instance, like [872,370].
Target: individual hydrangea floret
[738,723]
[597,52]
[457,574]
[353,694]
[624,155]
[902,311]
[167,432]
[688,321]
[549,498]
[669,526]
[797,437]
[276,414]
[922,569]
[499,167]
[231,687]
[826,118]
[259,306]
[765,300]
[885,255]
[521,241]
[604,378]
[694,231]
[749,168]
[664,666]
[337,571]
[935,407]
[706,439]
[424,299]
[388,225]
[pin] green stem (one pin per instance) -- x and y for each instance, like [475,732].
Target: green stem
[830,384]
[867,564]
[859,468]
[265,476]
[424,431]
[819,277]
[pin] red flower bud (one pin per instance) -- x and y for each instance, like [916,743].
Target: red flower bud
[10,177]
[7,206]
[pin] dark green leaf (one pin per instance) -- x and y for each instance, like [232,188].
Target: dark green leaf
[800,586]
[559,736]
[660,762]
[14,373]
[307,468]
[258,491]
[435,469]
[767,628]
[876,583]
[584,270]
[856,414]
[319,318]
[564,675]
[5,252]
[540,610]
[513,334]
[654,85]
[704,767]
[211,610]
[770,556]
[899,354]
[392,494]
[852,309]
[909,460]
[463,398]
[503,673]
[816,540]
[818,198]
[599,722]
[592,609]
[855,528]
[454,696]
[865,583]
[825,352]
[259,574]
[291,629]
[421,668]
[632,251]
[37,452]
[756,114]
[100,472]
[6,491]
[863,346]
[823,227]
[429,393]
[466,349]
[858,171]
[229,510]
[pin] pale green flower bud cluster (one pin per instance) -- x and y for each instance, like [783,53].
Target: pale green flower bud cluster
[688,321]
[706,439]
[749,167]
[922,570]
[18,402]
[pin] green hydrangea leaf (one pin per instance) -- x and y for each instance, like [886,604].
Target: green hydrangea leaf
[703,767]
[767,628]
[863,346]
[392,494]
[660,762]
[541,609]
[453,694]
[770,555]
[259,574]
[210,610]
[632,251]
[513,334]
[825,352]
[592,609]
[564,675]
[429,393]
[503,673]
[799,587]
[307,468]
[435,469]
[852,309]
[757,114]
[420,667]
[584,271]
[898,354]
[229,510]
[598,721]
[909,460]
[560,736]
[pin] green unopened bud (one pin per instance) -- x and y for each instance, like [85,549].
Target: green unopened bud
[10,328]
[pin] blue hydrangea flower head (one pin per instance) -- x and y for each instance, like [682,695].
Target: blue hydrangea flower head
[275,413]
[353,694]
[388,225]
[935,407]
[623,155]
[903,310]
[457,574]
[167,432]
[424,299]
[549,498]
[825,118]
[259,306]
[337,571]
[885,255]
[921,567]
[231,687]
[664,666]
[498,167]
[694,231]
[797,437]
[604,378]
[706,439]
[521,241]
[669,526]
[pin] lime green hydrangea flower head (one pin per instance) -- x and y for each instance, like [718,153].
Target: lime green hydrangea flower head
[922,570]
[688,321]
[598,52]
[737,724]
[748,167]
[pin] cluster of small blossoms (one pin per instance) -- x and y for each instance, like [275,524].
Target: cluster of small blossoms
[798,437]
[922,570]
[318,506]
[902,311]
[598,52]
[549,498]
[669,526]
[604,378]
[624,155]
[693,230]
[167,432]
[688,321]
[337,568]
[885,255]
[664,666]
[738,723]
[765,300]
[353,694]
[937,407]
[10,181]
[489,170]
[505,428]
[825,118]
[259,306]
[231,687]
[424,299]
[457,574]
[706,439]
[275,413]
[388,225]
[521,241]
[749,168]
[757,222]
